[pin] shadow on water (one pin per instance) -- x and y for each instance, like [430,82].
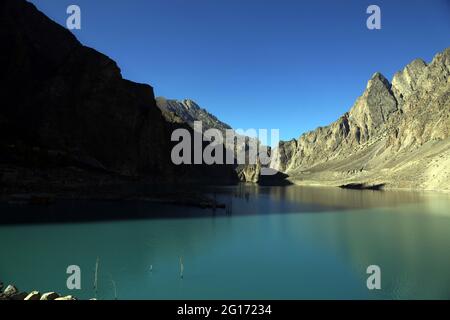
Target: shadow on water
[363,186]
[277,179]
[243,199]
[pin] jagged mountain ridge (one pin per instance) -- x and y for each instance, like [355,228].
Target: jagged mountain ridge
[189,111]
[395,134]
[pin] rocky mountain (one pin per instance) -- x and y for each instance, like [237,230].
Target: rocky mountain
[396,135]
[64,104]
[188,111]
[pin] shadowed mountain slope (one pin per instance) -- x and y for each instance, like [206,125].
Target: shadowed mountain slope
[60,97]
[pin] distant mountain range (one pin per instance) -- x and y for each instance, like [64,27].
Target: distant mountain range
[188,111]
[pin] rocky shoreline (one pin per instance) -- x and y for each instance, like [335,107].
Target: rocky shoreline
[361,185]
[11,293]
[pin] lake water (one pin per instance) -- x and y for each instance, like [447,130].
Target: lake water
[272,243]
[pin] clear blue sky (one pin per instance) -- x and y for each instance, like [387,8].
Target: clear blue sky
[287,64]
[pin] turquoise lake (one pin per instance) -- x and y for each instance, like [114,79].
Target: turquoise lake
[272,243]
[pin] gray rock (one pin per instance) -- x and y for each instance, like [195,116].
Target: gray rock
[282,155]
[50,296]
[35,295]
[405,82]
[66,298]
[10,290]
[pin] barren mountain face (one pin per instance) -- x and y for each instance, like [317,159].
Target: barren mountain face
[188,111]
[395,134]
